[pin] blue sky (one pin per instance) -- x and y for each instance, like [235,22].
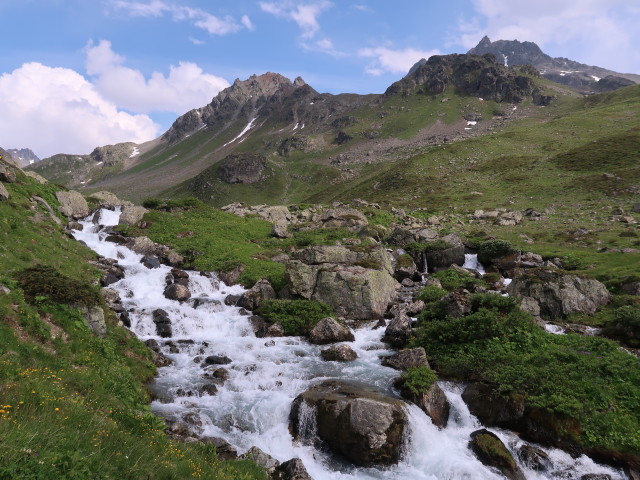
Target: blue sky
[76,74]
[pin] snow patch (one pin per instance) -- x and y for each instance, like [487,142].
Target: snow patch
[99,163]
[506,60]
[471,123]
[597,79]
[245,130]
[134,152]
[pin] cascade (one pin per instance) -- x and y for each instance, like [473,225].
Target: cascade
[251,408]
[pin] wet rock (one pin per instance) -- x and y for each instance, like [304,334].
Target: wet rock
[259,325]
[142,245]
[492,452]
[275,330]
[357,421]
[404,267]
[207,389]
[399,331]
[292,469]
[252,298]
[232,276]
[404,359]
[339,353]
[433,402]
[217,360]
[596,476]
[328,330]
[534,458]
[491,408]
[263,459]
[163,323]
[177,292]
[231,300]
[454,255]
[150,261]
[72,204]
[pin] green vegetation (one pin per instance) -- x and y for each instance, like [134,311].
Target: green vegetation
[586,378]
[430,293]
[418,380]
[297,317]
[491,249]
[74,405]
[455,279]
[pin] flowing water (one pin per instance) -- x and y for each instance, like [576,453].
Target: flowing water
[266,374]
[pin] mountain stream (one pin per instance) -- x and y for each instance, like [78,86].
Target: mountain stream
[252,407]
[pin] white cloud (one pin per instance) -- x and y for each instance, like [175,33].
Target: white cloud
[387,60]
[185,87]
[304,14]
[600,32]
[246,21]
[324,45]
[56,110]
[200,18]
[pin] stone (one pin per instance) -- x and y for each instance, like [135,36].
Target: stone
[457,304]
[534,458]
[433,402]
[339,353]
[280,230]
[224,450]
[357,421]
[142,245]
[399,331]
[343,217]
[631,288]
[162,322]
[177,292]
[232,276]
[108,199]
[217,360]
[454,255]
[328,330]
[492,452]
[263,459]
[274,330]
[95,319]
[242,168]
[38,178]
[7,173]
[150,261]
[252,298]
[4,193]
[404,359]
[131,214]
[559,295]
[292,469]
[72,204]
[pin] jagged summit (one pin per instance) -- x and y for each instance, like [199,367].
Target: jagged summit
[583,77]
[23,156]
[473,75]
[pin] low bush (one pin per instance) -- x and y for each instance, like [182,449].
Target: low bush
[297,317]
[455,279]
[430,293]
[495,248]
[419,379]
[43,281]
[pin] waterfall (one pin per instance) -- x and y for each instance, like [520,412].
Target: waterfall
[251,408]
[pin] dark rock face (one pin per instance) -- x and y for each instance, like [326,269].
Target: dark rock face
[217,360]
[339,353]
[473,75]
[163,323]
[399,330]
[329,330]
[354,420]
[534,458]
[150,261]
[433,402]
[224,450]
[242,168]
[178,292]
[493,409]
[491,451]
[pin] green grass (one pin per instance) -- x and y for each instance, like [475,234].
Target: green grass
[586,378]
[74,405]
[297,317]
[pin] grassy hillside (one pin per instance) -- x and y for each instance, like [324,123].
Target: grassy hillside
[74,405]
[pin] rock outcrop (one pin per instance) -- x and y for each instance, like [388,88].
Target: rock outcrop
[558,294]
[72,204]
[328,330]
[492,452]
[357,284]
[357,421]
[242,168]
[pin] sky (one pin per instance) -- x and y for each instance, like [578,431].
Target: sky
[77,74]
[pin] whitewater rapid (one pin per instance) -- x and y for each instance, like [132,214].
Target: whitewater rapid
[266,374]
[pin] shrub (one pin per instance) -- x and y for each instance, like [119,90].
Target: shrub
[419,379]
[152,203]
[430,293]
[495,248]
[417,248]
[492,301]
[297,317]
[45,281]
[454,279]
[571,262]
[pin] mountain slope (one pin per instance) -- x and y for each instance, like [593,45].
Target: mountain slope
[585,78]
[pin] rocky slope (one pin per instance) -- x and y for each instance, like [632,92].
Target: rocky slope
[24,156]
[585,78]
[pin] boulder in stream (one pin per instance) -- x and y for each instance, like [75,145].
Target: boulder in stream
[492,452]
[328,330]
[357,421]
[339,353]
[292,469]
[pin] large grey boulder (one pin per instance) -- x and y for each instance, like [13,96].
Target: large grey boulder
[339,353]
[344,217]
[407,358]
[72,204]
[94,316]
[131,214]
[453,255]
[559,295]
[109,200]
[263,459]
[433,402]
[399,330]
[292,469]
[177,292]
[328,330]
[357,421]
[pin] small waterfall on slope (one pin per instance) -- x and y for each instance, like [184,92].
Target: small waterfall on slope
[251,408]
